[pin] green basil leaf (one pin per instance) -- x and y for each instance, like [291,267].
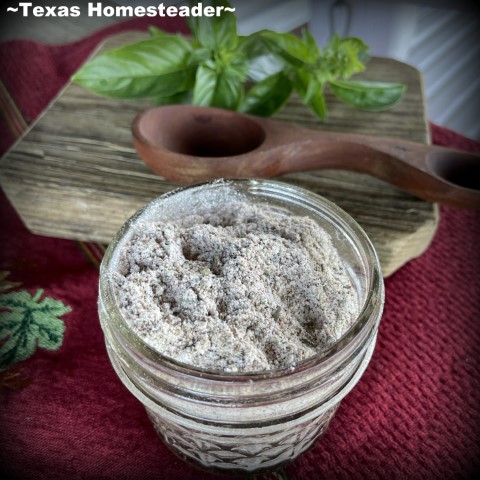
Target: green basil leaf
[216,32]
[205,83]
[310,90]
[235,66]
[373,96]
[264,66]
[311,43]
[216,89]
[259,60]
[178,98]
[341,58]
[289,47]
[251,45]
[157,32]
[337,42]
[154,67]
[199,55]
[358,45]
[229,92]
[301,80]
[267,96]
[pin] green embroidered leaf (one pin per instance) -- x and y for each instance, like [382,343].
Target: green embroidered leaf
[26,322]
[18,347]
[8,326]
[14,300]
[50,333]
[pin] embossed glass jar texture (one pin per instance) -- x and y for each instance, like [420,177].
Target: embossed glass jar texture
[246,422]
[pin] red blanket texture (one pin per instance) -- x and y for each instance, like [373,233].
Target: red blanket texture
[415,413]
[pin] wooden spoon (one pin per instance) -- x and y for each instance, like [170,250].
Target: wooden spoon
[189,144]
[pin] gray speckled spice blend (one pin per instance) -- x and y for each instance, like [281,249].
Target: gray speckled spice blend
[237,288]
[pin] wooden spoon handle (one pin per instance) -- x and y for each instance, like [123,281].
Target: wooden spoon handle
[429,172]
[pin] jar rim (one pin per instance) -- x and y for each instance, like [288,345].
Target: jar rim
[373,295]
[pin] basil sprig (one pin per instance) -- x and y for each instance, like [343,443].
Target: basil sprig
[254,74]
[150,68]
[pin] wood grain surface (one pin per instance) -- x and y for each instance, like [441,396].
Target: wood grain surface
[75,173]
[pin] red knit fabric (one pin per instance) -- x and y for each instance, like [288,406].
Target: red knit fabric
[415,413]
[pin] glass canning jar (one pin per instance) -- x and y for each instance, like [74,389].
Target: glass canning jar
[246,422]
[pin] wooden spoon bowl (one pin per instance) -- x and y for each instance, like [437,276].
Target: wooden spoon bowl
[189,144]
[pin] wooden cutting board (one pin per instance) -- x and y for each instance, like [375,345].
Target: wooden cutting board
[75,173]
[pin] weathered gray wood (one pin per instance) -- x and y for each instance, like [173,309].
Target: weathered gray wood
[76,175]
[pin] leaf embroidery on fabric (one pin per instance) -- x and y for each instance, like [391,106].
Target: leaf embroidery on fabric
[26,322]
